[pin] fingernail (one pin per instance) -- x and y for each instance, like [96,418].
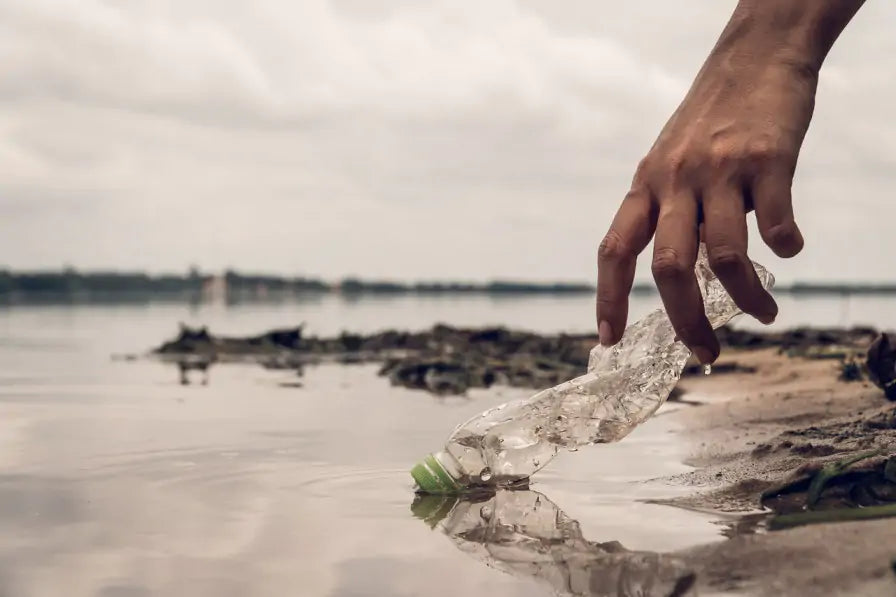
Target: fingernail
[766,319]
[703,354]
[605,333]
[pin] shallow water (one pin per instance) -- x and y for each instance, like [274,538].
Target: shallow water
[117,481]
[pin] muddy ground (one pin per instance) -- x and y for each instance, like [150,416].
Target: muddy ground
[450,360]
[758,440]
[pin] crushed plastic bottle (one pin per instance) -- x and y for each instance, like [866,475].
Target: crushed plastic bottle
[624,386]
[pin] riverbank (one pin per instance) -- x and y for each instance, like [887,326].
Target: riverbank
[758,442]
[449,360]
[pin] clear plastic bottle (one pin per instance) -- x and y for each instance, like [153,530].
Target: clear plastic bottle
[524,534]
[623,386]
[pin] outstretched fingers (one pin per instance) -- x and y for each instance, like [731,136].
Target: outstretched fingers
[674,258]
[774,211]
[725,234]
[631,230]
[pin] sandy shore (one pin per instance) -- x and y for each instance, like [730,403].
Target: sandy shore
[754,432]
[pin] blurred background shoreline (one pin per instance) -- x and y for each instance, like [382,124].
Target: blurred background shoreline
[69,286]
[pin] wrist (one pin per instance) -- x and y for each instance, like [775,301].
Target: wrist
[799,33]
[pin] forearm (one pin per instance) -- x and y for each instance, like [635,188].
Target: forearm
[797,31]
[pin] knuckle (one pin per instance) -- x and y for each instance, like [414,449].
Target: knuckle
[729,155]
[635,193]
[676,162]
[779,235]
[668,265]
[613,248]
[725,260]
[606,305]
[722,157]
[644,166]
[763,150]
[679,166]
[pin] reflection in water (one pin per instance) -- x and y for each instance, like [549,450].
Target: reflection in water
[526,535]
[202,362]
[194,362]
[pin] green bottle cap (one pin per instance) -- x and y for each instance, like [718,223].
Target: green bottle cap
[431,477]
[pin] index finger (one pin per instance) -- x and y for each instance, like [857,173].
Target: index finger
[617,256]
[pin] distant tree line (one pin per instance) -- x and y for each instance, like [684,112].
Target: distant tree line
[356,286]
[807,288]
[71,285]
[72,282]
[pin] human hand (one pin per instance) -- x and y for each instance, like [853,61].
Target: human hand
[730,147]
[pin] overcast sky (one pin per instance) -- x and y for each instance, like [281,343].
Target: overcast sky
[407,139]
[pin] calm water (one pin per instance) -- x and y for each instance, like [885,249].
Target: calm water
[116,481]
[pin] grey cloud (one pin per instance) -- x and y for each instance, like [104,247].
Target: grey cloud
[393,138]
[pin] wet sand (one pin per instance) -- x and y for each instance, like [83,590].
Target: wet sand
[755,431]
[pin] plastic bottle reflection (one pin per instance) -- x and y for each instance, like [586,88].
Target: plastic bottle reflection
[526,535]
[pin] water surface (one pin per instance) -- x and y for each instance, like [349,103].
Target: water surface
[118,481]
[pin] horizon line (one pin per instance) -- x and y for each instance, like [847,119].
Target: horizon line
[445,284]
